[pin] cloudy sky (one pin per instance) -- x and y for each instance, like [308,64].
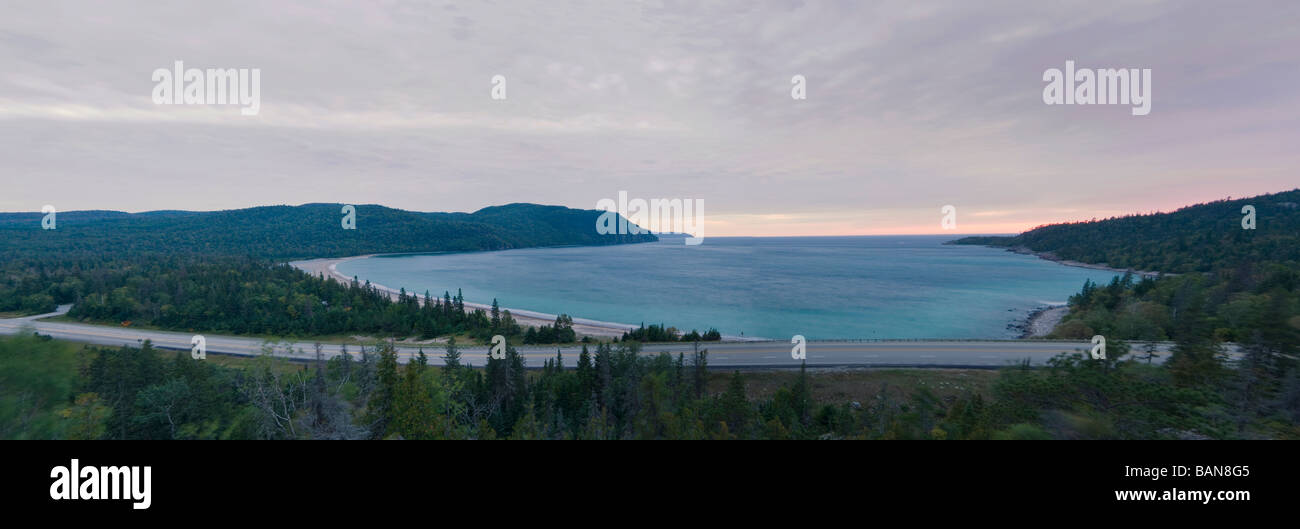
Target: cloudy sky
[910,106]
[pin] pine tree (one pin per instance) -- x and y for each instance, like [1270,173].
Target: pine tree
[586,372]
[383,401]
[803,394]
[451,360]
[700,370]
[604,374]
[414,414]
[735,405]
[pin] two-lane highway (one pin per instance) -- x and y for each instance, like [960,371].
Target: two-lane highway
[900,353]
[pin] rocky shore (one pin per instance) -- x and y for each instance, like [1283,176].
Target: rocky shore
[1040,321]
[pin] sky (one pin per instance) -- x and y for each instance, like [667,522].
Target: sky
[910,106]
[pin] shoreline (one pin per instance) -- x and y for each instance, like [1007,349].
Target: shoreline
[1041,321]
[328,266]
[1049,256]
[1044,319]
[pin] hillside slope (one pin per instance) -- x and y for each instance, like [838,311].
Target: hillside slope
[309,230]
[1198,238]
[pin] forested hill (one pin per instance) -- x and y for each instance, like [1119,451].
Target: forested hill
[309,230]
[1198,238]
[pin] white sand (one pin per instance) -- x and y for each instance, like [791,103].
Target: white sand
[594,328]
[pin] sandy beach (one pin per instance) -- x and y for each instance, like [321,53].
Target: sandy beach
[1053,258]
[599,329]
[1038,322]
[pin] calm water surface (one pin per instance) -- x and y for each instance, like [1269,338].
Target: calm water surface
[820,287]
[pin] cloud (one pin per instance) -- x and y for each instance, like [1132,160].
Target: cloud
[909,107]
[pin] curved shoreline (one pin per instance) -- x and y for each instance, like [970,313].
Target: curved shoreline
[1049,256]
[329,268]
[1043,320]
[1039,322]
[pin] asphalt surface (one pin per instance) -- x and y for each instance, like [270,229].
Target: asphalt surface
[873,353]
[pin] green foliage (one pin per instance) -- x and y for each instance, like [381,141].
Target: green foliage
[1023,432]
[1197,238]
[617,393]
[1232,285]
[244,296]
[309,230]
[38,379]
[1245,304]
[561,332]
[219,271]
[659,333]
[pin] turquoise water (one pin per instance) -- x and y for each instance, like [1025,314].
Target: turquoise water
[774,287]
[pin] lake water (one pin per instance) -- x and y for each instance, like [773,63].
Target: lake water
[773,287]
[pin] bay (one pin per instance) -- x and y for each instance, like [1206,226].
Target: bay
[876,287]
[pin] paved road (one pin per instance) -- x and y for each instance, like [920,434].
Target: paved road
[731,354]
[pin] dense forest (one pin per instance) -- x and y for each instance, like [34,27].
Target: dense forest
[659,333]
[243,296]
[298,232]
[1199,238]
[1220,284]
[221,271]
[1217,280]
[53,389]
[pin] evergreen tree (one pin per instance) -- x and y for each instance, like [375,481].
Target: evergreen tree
[383,401]
[735,405]
[586,372]
[700,370]
[451,359]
